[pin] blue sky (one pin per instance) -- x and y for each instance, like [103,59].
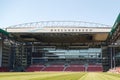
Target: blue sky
[14,12]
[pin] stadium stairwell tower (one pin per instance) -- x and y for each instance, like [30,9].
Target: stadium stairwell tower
[4,49]
[114,44]
[62,41]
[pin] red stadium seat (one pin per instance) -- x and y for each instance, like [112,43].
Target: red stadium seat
[4,69]
[95,68]
[53,69]
[75,67]
[33,68]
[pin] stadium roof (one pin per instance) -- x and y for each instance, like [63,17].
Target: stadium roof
[42,24]
[115,26]
[4,32]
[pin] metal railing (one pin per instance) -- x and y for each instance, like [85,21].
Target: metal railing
[42,24]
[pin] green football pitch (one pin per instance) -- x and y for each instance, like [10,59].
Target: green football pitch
[59,76]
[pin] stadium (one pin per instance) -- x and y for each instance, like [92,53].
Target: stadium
[60,50]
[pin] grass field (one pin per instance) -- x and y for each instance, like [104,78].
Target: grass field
[58,76]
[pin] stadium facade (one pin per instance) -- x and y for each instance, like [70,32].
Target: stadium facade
[4,50]
[61,46]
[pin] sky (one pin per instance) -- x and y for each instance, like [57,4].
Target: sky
[13,12]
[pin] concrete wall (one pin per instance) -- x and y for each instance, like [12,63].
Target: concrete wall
[55,30]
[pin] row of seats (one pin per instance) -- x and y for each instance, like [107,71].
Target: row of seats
[32,69]
[53,69]
[56,67]
[95,69]
[4,69]
[77,68]
[64,68]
